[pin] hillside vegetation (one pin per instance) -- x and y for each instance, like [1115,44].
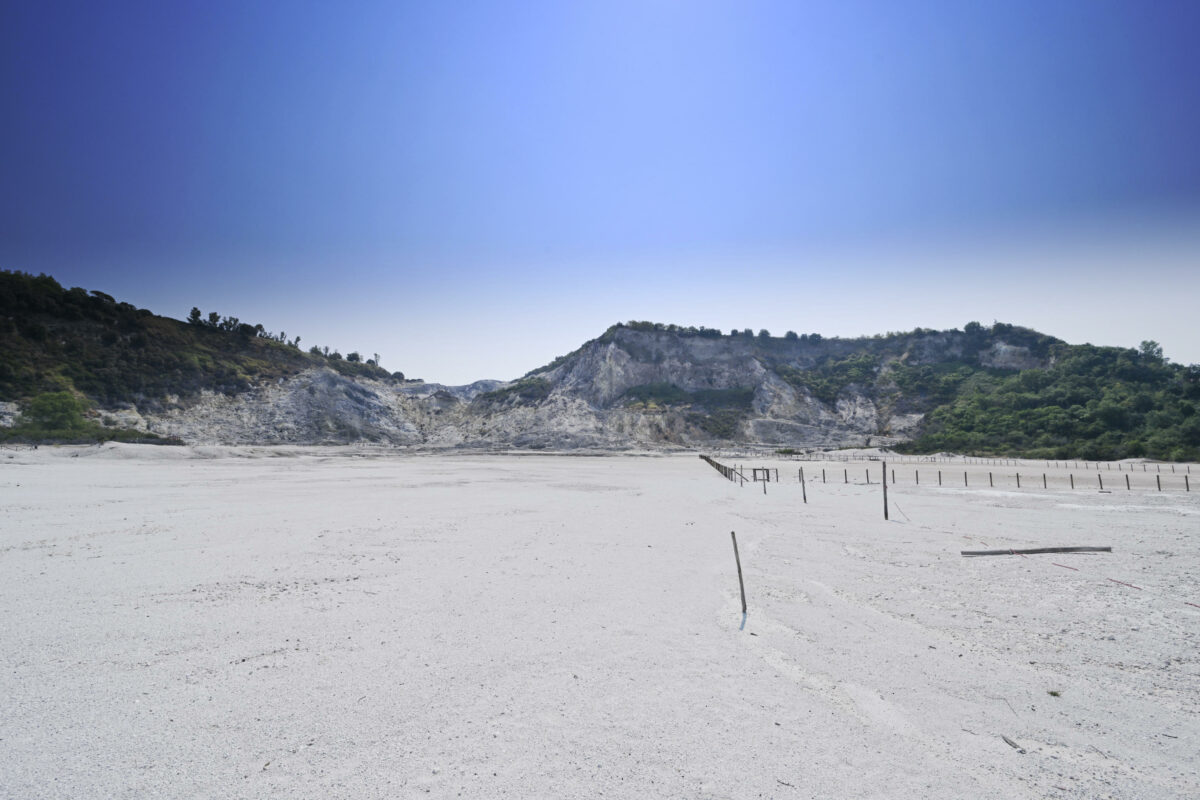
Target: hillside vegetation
[1091,402]
[109,354]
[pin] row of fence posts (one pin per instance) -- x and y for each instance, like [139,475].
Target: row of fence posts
[763,474]
[1121,466]
[1187,484]
[728,472]
[1007,462]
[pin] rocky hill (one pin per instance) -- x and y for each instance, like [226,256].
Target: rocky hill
[982,389]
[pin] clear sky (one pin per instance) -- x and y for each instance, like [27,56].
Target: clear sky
[471,189]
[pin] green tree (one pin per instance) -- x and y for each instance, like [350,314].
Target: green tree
[195,317]
[57,411]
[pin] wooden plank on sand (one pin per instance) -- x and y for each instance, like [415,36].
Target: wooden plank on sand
[1036,550]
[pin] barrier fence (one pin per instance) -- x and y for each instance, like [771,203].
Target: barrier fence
[728,472]
[1097,466]
[1061,476]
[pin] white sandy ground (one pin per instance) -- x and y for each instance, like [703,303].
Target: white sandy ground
[316,623]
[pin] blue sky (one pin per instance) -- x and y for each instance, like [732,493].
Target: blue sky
[470,189]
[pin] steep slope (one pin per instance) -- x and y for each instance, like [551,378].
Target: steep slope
[692,386]
[54,339]
[1002,389]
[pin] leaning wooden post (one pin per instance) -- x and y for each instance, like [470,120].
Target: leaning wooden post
[1127,481]
[1072,477]
[822,474]
[884,474]
[964,477]
[845,476]
[738,559]
[917,475]
[1018,480]
[939,477]
[1100,478]
[1158,479]
[1187,487]
[990,483]
[1043,480]
[803,490]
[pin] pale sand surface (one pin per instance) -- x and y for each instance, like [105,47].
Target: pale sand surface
[219,623]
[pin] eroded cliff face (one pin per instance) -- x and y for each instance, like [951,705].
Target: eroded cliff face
[316,407]
[629,388]
[604,371]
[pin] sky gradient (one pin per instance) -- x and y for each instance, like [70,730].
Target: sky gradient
[471,189]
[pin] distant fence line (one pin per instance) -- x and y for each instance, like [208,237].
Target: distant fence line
[1127,480]
[1099,466]
[1024,480]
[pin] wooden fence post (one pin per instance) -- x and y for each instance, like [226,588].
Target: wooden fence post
[738,559]
[884,474]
